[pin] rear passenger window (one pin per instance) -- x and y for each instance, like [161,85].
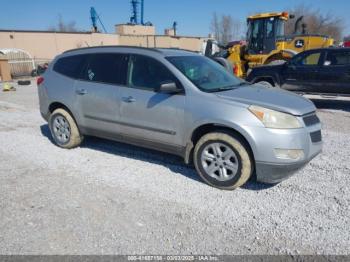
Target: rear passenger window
[106,68]
[338,58]
[70,66]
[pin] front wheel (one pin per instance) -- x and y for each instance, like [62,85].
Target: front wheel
[223,160]
[265,83]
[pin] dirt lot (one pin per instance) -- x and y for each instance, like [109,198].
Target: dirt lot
[111,198]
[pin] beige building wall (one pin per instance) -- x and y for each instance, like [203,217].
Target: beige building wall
[123,29]
[169,31]
[46,45]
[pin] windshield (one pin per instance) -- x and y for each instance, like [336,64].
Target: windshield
[206,74]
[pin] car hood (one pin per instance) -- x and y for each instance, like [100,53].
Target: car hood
[276,99]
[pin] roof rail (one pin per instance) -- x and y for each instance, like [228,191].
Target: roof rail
[176,49]
[109,46]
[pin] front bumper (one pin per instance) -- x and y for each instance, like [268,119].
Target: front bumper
[272,173]
[269,168]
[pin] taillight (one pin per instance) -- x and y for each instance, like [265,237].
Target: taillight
[39,80]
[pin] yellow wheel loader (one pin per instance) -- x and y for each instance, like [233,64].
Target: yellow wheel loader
[266,43]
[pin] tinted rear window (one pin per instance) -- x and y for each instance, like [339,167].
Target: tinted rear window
[70,66]
[107,68]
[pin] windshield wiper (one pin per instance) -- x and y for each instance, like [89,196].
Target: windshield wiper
[230,87]
[225,88]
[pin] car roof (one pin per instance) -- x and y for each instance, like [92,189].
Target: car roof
[131,49]
[329,49]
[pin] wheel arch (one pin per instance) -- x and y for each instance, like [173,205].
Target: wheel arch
[206,128]
[279,54]
[269,79]
[55,105]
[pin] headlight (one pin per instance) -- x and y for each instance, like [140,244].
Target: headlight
[274,119]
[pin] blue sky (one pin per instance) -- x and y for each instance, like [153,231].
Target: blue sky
[193,16]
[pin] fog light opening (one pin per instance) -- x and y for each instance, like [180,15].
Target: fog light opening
[291,154]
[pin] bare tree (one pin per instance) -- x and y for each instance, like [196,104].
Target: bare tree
[226,28]
[63,26]
[316,22]
[215,26]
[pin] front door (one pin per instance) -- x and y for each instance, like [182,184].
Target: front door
[301,73]
[146,114]
[98,92]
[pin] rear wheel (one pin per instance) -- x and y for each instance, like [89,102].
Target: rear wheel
[64,130]
[223,160]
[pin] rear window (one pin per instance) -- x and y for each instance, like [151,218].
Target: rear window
[107,68]
[70,66]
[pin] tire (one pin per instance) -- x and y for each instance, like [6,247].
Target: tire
[24,82]
[238,162]
[265,83]
[64,130]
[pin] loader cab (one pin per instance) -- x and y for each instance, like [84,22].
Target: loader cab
[263,30]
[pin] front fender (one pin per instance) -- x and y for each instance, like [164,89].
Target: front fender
[243,130]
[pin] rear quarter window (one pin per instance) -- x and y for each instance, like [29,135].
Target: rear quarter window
[70,66]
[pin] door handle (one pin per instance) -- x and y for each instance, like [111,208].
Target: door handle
[129,99]
[81,92]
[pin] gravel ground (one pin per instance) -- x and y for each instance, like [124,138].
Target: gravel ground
[111,198]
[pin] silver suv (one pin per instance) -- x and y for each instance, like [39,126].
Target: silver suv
[182,103]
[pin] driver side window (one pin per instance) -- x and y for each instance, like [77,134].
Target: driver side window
[308,59]
[147,73]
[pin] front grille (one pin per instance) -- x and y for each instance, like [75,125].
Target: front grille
[316,136]
[311,120]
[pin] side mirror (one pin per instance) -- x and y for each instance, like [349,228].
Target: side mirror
[290,64]
[169,87]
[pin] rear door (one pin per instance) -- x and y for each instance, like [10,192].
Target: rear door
[146,114]
[301,73]
[335,72]
[98,89]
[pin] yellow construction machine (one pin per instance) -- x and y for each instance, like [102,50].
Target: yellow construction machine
[266,43]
